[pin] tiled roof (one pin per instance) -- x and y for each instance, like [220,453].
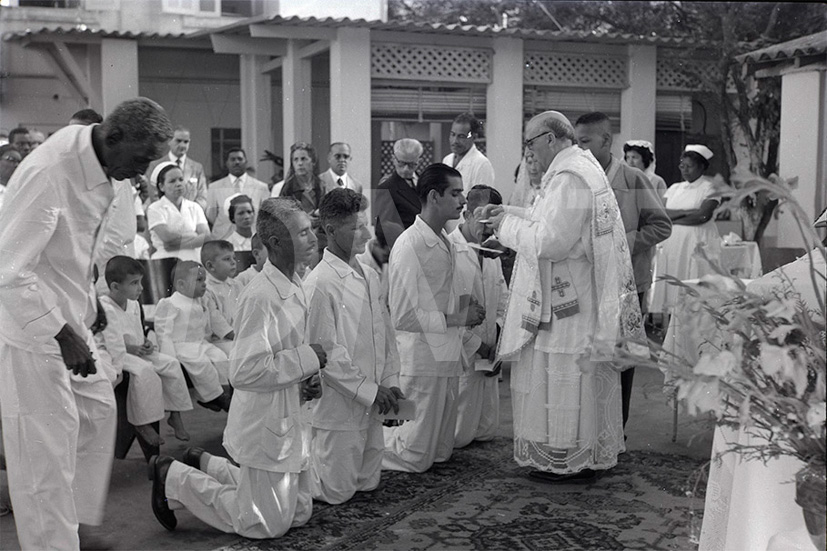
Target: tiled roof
[83,31]
[813,44]
[240,27]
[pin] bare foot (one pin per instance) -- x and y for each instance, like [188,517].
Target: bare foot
[177,425]
[148,434]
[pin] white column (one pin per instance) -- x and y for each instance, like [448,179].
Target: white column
[504,117]
[637,102]
[119,72]
[350,98]
[801,148]
[256,113]
[296,95]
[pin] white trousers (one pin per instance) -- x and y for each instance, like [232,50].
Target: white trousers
[346,462]
[478,408]
[249,502]
[156,385]
[208,367]
[429,438]
[59,437]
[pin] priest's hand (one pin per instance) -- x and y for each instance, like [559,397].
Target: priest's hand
[75,352]
[491,215]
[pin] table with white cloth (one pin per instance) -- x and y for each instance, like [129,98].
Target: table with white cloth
[748,503]
[742,259]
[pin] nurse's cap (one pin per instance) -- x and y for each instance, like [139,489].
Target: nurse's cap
[161,166]
[701,150]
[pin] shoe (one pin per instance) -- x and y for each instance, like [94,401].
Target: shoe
[225,399]
[580,477]
[192,457]
[215,404]
[158,468]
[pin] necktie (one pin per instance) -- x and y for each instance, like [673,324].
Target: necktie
[178,162]
[340,182]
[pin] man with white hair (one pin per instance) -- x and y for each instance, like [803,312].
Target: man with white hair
[396,203]
[58,409]
[572,300]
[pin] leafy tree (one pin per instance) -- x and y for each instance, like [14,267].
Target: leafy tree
[715,31]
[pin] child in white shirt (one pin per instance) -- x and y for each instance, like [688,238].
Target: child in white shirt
[260,255]
[157,383]
[182,324]
[222,292]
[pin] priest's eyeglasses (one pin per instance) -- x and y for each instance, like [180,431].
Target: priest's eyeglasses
[528,143]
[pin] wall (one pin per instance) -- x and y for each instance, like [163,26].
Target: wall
[199,90]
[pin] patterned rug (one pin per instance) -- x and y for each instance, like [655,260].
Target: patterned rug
[482,500]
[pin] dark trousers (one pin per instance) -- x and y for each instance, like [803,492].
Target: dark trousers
[627,378]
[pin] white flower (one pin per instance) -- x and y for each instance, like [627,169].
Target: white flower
[774,359]
[784,308]
[718,365]
[701,397]
[817,415]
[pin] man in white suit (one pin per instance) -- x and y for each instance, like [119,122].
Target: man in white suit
[220,192]
[338,157]
[194,179]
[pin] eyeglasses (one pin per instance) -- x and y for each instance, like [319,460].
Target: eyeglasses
[409,164]
[13,160]
[527,144]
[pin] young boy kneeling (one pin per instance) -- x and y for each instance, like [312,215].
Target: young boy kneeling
[156,382]
[182,324]
[270,360]
[350,320]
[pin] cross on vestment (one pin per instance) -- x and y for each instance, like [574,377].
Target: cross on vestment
[560,286]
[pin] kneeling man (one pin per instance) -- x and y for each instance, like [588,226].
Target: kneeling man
[269,493]
[349,319]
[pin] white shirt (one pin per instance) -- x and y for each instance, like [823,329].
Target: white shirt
[348,319]
[186,220]
[474,167]
[220,300]
[122,327]
[240,243]
[181,323]
[421,269]
[347,182]
[2,195]
[117,231]
[247,275]
[486,284]
[222,191]
[54,206]
[270,357]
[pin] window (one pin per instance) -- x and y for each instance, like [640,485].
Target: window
[222,140]
[44,3]
[192,7]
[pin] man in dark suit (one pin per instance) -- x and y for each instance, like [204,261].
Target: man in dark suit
[395,201]
[194,179]
[338,157]
[641,208]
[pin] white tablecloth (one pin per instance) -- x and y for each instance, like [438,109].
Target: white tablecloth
[742,259]
[748,502]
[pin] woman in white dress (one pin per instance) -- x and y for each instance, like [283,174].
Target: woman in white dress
[640,154]
[177,226]
[691,208]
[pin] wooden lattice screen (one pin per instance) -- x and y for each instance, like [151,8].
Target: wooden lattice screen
[416,62]
[576,70]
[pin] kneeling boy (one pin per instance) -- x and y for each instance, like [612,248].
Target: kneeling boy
[270,491]
[361,382]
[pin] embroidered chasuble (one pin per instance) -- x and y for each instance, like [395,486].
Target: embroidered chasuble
[572,300]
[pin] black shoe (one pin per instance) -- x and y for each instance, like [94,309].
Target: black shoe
[216,404]
[192,457]
[580,477]
[158,468]
[225,400]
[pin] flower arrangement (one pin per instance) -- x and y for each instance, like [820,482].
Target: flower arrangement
[762,367]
